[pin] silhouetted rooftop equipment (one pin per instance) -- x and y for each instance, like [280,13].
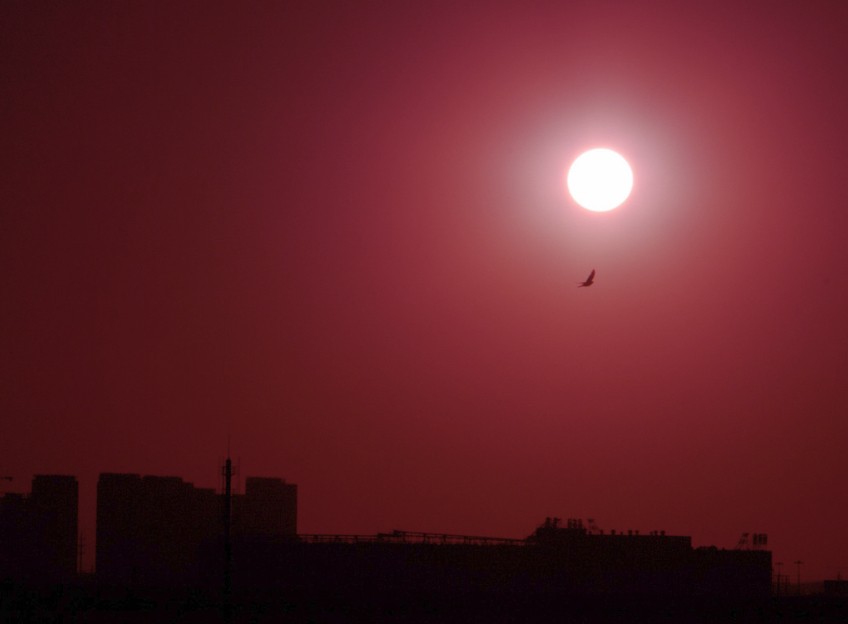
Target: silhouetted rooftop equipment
[752,541]
[549,531]
[411,537]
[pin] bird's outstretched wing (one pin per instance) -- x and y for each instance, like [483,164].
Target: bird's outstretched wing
[589,280]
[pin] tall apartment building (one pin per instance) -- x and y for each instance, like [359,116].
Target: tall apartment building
[39,532]
[161,530]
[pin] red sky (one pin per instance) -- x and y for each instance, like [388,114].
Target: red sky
[340,235]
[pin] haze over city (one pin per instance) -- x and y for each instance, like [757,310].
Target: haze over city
[339,236]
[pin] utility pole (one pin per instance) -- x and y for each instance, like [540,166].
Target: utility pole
[779,565]
[798,567]
[228,547]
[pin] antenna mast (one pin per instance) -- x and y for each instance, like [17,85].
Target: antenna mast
[228,547]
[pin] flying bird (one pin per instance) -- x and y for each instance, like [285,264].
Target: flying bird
[589,280]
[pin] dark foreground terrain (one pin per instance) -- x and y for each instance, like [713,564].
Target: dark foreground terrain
[88,602]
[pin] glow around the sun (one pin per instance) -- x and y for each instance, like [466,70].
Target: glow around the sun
[600,179]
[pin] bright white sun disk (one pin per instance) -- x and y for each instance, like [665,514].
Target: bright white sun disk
[600,180]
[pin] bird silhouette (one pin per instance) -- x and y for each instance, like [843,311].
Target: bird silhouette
[589,280]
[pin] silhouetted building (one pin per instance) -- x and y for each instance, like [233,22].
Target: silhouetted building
[558,564]
[160,530]
[39,532]
[149,529]
[267,509]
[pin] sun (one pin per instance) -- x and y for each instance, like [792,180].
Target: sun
[600,179]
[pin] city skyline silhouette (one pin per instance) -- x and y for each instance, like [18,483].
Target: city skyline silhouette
[161,531]
[166,547]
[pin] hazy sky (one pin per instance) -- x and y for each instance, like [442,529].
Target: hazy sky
[340,234]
